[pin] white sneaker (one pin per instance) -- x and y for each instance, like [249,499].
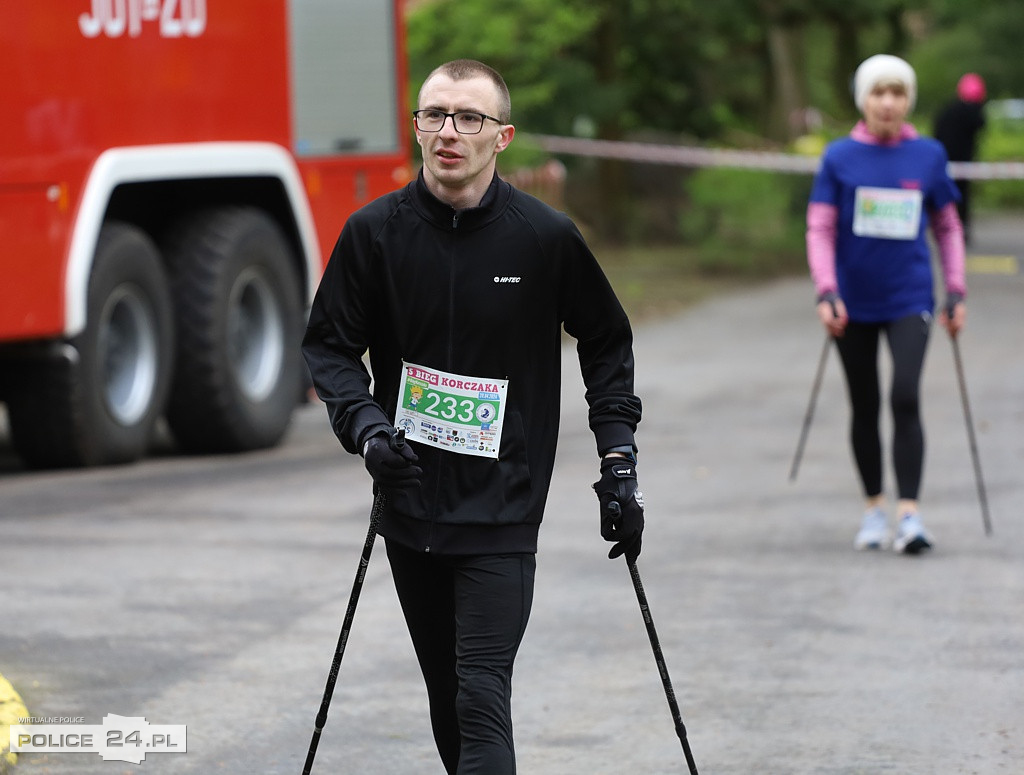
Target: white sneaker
[874,530]
[911,537]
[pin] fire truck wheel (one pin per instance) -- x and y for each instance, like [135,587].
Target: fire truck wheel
[239,321]
[97,403]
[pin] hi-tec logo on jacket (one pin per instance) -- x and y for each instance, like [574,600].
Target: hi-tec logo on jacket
[507,279]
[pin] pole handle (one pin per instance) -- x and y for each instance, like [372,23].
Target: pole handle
[397,440]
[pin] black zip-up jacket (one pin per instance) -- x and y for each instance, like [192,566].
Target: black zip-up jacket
[481,292]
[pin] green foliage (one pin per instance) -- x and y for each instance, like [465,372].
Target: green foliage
[519,154]
[1002,140]
[981,36]
[678,65]
[745,220]
[528,42]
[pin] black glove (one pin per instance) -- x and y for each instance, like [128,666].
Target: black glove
[390,461]
[831,297]
[952,299]
[622,507]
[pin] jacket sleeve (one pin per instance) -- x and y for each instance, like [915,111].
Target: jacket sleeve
[822,220]
[593,316]
[336,339]
[949,237]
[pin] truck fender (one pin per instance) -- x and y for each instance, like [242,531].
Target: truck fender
[138,164]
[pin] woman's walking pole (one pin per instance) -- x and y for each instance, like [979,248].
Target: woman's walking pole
[810,409]
[982,498]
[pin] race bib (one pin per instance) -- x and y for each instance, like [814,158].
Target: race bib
[450,411]
[889,213]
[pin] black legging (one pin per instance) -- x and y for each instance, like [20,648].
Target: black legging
[858,349]
[467,616]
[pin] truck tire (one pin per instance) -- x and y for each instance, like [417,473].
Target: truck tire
[237,305]
[95,400]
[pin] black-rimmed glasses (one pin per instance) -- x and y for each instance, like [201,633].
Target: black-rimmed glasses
[466,122]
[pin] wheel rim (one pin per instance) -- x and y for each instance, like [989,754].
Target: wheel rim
[128,352]
[255,335]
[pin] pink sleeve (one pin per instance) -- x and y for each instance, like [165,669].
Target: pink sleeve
[821,246]
[949,236]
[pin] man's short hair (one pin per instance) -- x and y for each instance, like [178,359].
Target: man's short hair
[464,69]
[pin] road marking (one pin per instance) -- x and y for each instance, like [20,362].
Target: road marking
[992,265]
[12,710]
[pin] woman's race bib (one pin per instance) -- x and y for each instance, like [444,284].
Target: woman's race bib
[888,213]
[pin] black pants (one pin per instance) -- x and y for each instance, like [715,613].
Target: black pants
[467,616]
[858,349]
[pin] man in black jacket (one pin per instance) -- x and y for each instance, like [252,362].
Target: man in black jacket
[458,286]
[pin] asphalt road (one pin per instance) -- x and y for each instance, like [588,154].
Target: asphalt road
[209,592]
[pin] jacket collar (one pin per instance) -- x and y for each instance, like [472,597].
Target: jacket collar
[862,134]
[443,215]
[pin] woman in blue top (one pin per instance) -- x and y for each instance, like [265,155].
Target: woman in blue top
[873,198]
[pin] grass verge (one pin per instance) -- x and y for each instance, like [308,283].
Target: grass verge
[658,281]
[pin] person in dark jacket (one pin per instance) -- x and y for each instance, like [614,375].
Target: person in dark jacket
[458,286]
[957,126]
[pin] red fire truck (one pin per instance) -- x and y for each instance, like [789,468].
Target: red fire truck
[173,175]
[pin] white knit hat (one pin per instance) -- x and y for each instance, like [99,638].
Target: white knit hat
[883,67]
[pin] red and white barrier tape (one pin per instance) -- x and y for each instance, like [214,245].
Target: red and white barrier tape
[690,156]
[986,170]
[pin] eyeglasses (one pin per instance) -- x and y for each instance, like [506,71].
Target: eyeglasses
[465,122]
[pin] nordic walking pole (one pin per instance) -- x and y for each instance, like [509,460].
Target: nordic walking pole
[809,415]
[652,634]
[982,498]
[397,442]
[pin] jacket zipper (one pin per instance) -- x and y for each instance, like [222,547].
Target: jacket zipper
[451,313]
